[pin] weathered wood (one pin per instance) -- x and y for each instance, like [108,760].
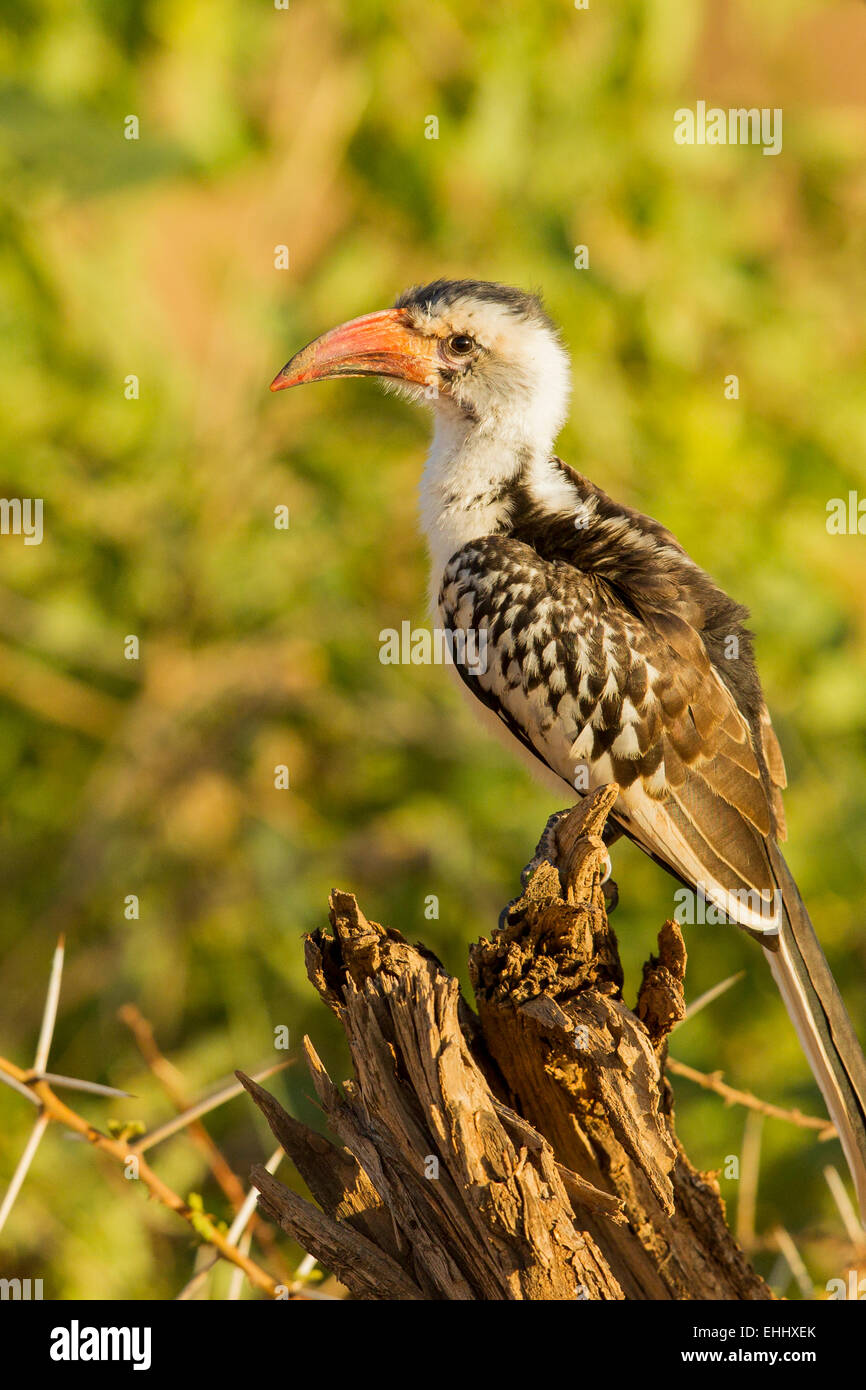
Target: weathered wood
[334,1176]
[527,1152]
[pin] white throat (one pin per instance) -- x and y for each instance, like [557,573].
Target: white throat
[464,490]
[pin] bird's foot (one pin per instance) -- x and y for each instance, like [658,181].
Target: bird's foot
[546,847]
[505,918]
[546,850]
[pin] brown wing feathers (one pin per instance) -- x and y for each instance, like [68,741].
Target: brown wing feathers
[648,706]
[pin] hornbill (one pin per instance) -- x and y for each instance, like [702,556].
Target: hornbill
[610,655]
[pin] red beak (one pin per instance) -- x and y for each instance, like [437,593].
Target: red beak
[380,344]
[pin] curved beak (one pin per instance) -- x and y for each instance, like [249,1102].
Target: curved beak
[381,344]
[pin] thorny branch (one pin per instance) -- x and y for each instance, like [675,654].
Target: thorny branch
[38,1085]
[172,1083]
[53,1108]
[712,1081]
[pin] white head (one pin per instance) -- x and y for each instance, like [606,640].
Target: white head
[488,362]
[502,365]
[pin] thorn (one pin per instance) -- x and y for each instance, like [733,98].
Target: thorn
[709,995]
[795,1262]
[203,1107]
[853,1229]
[74,1083]
[49,1016]
[42,1122]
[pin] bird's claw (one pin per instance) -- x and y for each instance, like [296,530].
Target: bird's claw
[546,850]
[504,916]
[546,847]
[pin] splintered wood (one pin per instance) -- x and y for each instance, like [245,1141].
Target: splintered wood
[527,1152]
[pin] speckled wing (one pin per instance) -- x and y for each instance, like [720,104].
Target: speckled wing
[602,692]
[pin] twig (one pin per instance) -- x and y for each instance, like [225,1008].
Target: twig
[749,1171]
[194,1283]
[236,1282]
[38,688]
[172,1083]
[795,1261]
[712,1081]
[58,1110]
[854,1230]
[235,1236]
[249,1206]
[202,1107]
[708,996]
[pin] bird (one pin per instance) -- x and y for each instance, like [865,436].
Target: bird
[611,656]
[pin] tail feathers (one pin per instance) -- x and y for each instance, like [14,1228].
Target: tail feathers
[826,1034]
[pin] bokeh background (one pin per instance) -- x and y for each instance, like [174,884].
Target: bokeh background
[305,128]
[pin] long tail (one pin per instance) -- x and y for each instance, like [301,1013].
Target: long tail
[824,1028]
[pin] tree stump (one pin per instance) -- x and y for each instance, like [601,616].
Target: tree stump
[524,1152]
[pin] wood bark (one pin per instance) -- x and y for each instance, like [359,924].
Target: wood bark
[526,1151]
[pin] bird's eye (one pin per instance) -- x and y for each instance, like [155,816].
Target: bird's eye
[461,344]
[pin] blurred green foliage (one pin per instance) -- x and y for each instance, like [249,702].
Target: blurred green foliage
[261,127]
